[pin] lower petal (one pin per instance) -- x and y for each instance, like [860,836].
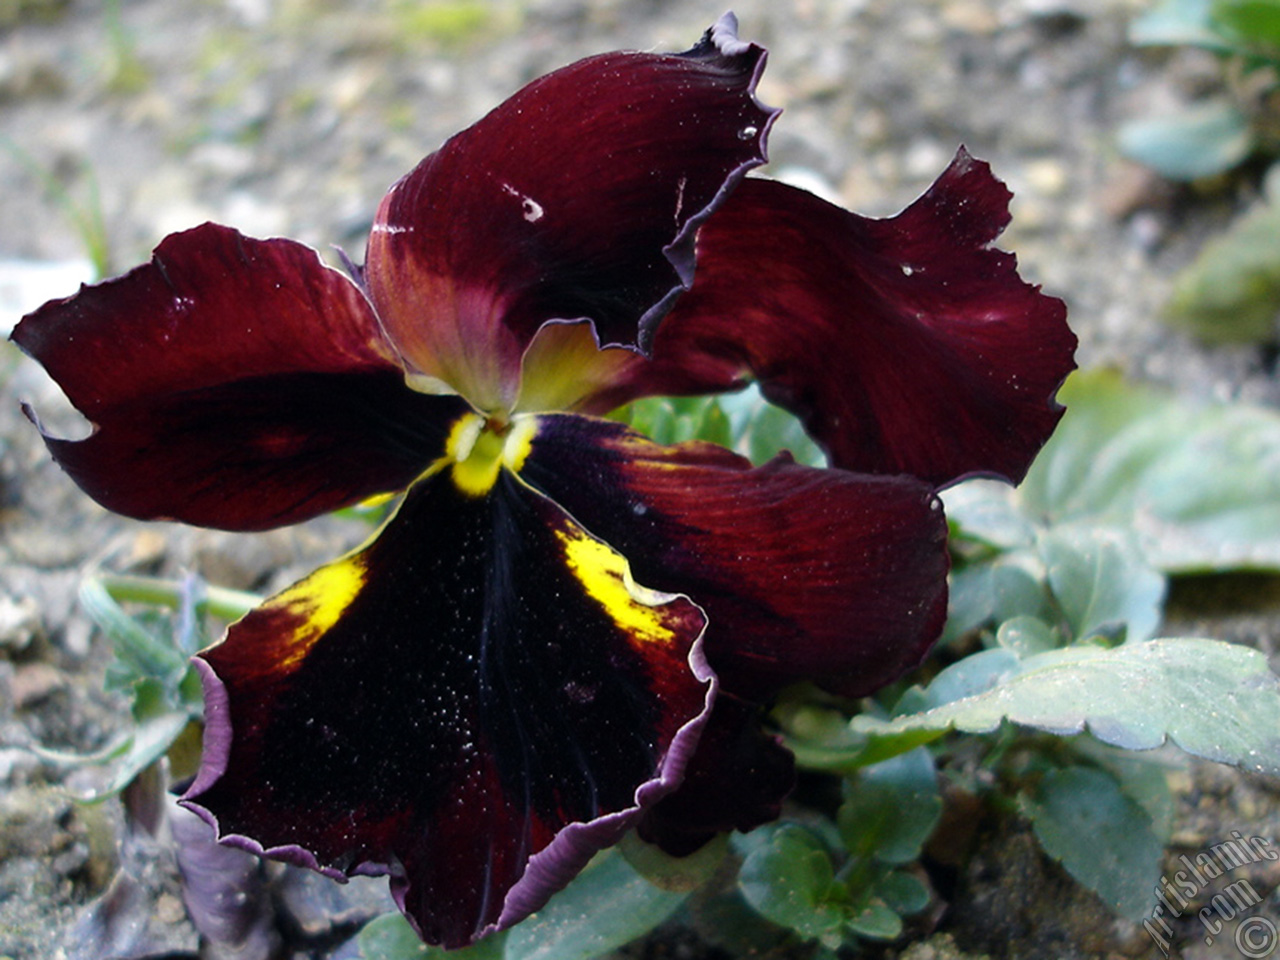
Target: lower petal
[737,780]
[476,703]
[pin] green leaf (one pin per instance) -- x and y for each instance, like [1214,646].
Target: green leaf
[971,676]
[994,521]
[891,808]
[744,422]
[677,874]
[714,426]
[992,592]
[1026,636]
[605,907]
[790,881]
[220,602]
[1103,583]
[117,746]
[823,739]
[1231,292]
[903,892]
[1215,700]
[141,652]
[725,920]
[1199,484]
[1202,140]
[1102,837]
[389,937]
[1254,24]
[1079,582]
[1011,585]
[1144,777]
[151,740]
[774,430]
[876,921]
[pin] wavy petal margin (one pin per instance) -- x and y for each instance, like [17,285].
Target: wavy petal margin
[906,345]
[737,780]
[579,197]
[234,383]
[475,703]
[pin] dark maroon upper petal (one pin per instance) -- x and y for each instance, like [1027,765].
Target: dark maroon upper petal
[821,575]
[907,345]
[234,383]
[476,703]
[579,197]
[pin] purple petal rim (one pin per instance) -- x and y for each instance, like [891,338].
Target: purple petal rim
[546,873]
[216,751]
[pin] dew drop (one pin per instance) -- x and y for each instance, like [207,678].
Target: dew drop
[746,133]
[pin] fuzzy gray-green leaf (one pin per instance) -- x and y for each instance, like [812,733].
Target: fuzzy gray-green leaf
[1104,839]
[1216,700]
[1197,483]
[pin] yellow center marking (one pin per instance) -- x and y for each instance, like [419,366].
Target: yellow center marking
[606,576]
[479,450]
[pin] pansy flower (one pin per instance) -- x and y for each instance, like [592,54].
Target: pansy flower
[564,630]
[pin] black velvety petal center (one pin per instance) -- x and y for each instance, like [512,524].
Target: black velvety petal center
[475,703]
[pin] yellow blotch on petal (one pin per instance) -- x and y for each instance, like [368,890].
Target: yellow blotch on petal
[317,603]
[606,576]
[479,450]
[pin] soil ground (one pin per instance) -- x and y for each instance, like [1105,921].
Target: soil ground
[291,117]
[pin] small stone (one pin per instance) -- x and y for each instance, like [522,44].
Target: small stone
[1047,177]
[169,909]
[925,159]
[971,16]
[942,946]
[17,765]
[24,78]
[19,622]
[33,682]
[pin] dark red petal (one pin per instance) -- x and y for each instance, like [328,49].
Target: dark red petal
[907,345]
[235,383]
[476,703]
[803,573]
[737,780]
[578,197]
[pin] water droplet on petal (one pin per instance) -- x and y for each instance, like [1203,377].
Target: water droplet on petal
[746,133]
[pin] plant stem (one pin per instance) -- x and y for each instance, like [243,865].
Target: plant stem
[220,602]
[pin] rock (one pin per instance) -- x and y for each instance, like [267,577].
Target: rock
[19,622]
